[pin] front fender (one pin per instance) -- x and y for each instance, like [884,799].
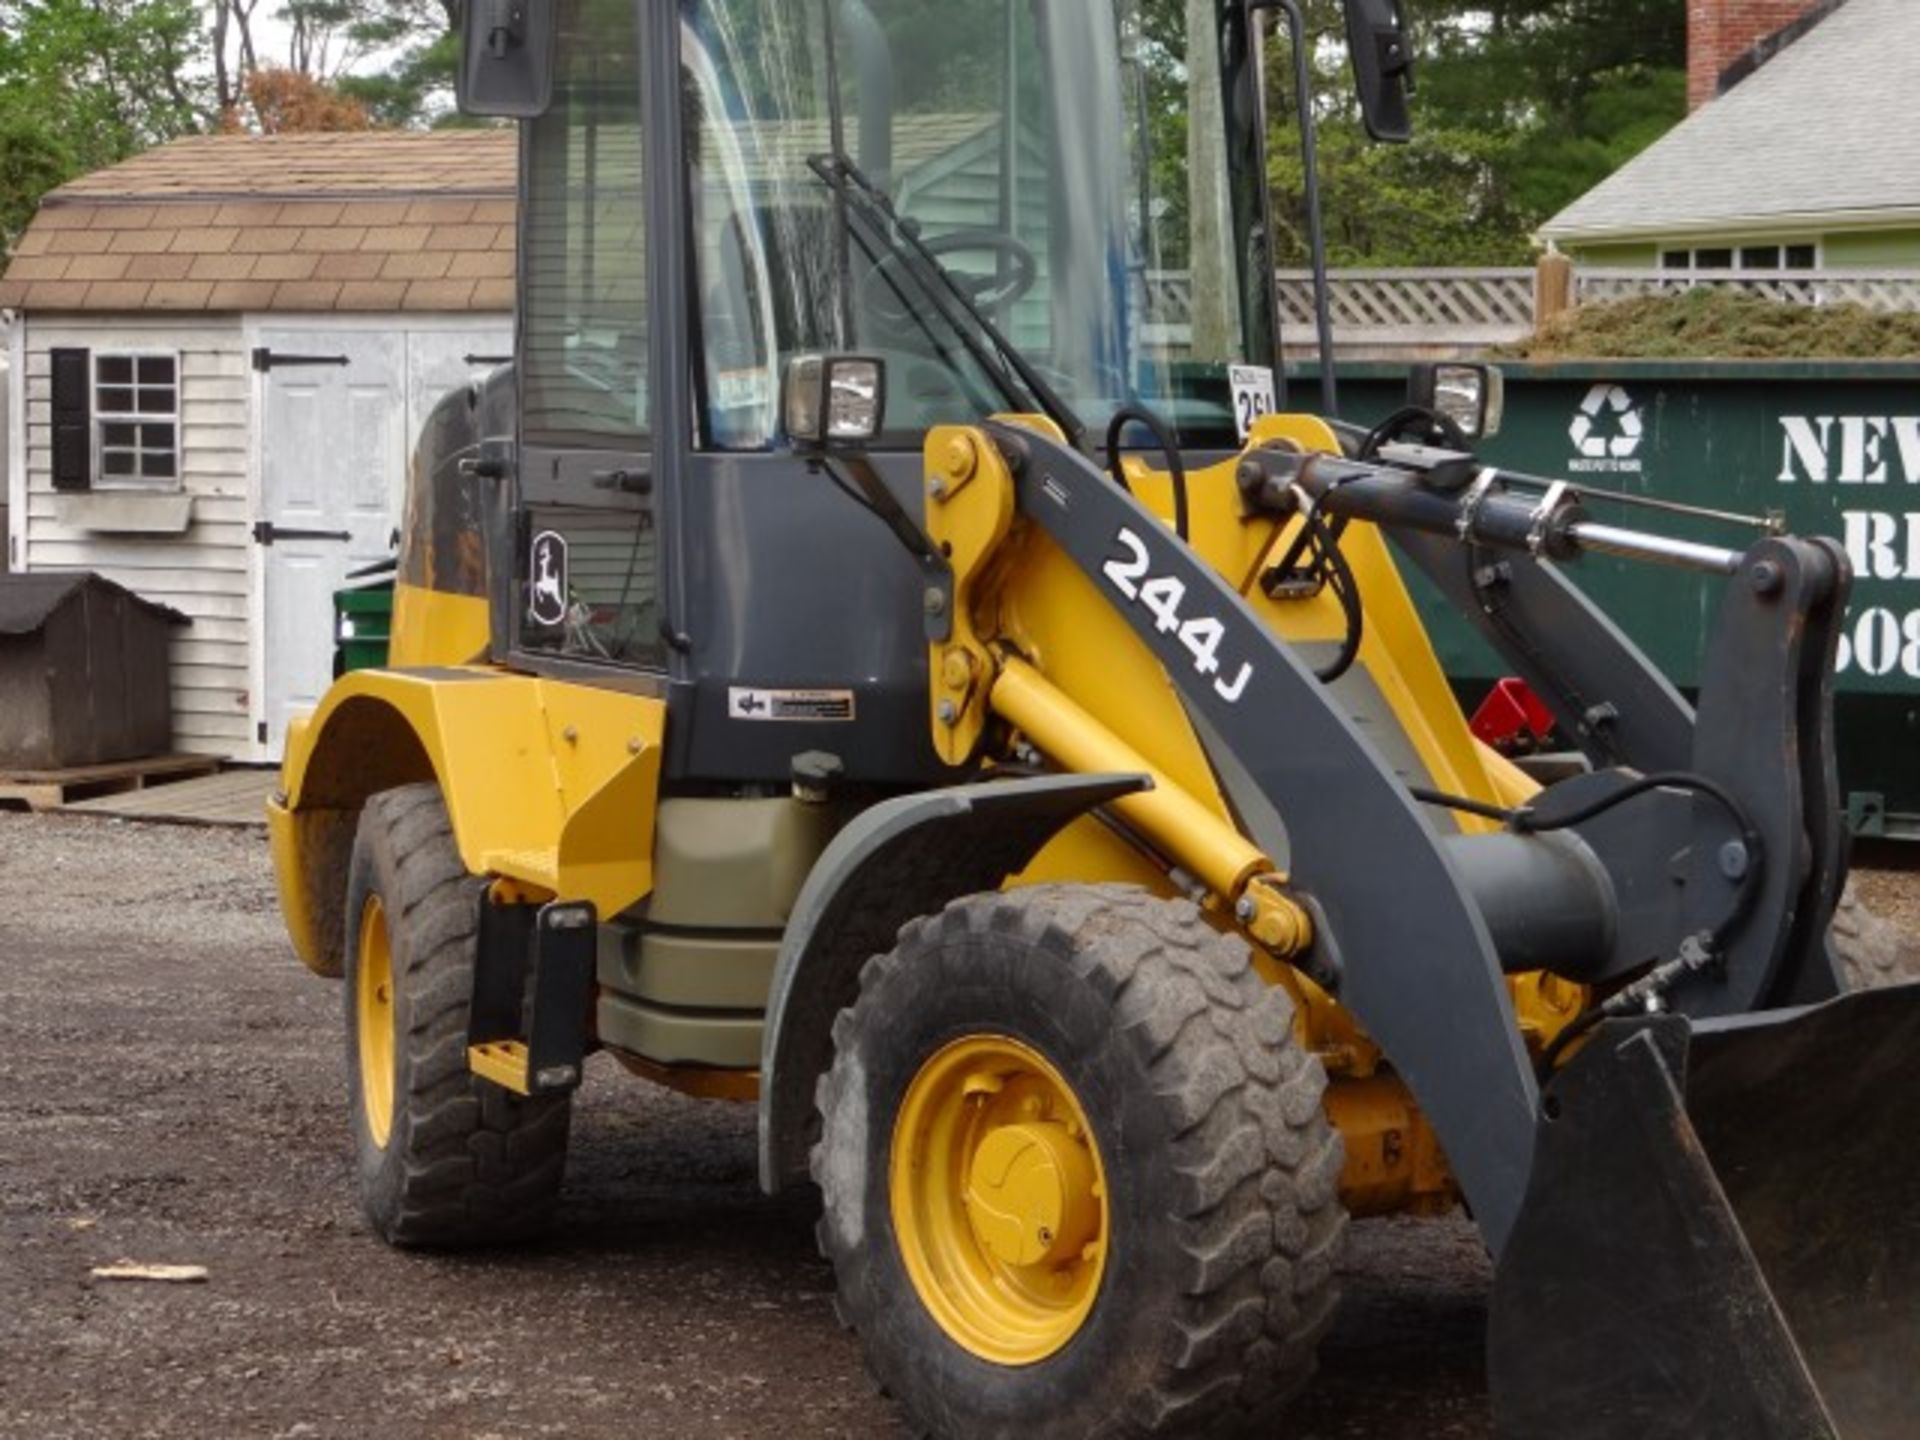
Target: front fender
[548,783]
[901,859]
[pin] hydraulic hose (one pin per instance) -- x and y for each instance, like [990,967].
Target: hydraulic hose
[1170,452]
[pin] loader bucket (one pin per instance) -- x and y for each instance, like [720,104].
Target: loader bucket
[1722,1234]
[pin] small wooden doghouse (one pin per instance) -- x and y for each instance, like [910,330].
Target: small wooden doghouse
[83,673]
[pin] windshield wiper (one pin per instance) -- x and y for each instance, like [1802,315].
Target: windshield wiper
[839,173]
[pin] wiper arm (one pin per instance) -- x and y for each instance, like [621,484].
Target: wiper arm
[846,178]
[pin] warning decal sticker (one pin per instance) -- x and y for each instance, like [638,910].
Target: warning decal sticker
[831,706]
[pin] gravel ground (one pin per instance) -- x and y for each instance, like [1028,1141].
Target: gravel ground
[170,1091]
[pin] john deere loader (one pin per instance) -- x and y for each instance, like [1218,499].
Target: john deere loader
[889,652]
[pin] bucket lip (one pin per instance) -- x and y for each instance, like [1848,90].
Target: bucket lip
[28,601]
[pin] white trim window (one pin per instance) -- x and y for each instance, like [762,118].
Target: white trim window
[1760,255]
[136,419]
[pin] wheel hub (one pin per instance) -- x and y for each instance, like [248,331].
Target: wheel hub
[999,1199]
[1030,1194]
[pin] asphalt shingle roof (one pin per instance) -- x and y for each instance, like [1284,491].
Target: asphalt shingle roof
[1825,130]
[371,220]
[363,221]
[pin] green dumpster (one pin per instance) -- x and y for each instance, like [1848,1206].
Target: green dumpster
[362,622]
[1831,447]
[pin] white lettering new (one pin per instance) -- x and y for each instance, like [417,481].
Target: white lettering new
[1906,429]
[1863,450]
[1807,446]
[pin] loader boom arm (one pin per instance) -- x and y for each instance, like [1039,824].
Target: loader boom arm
[1394,966]
[1712,876]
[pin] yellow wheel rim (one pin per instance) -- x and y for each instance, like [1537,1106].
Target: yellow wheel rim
[373,1015]
[999,1199]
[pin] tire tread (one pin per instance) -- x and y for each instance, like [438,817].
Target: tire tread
[480,1166]
[1256,1203]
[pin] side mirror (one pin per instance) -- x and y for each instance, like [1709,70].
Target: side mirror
[1474,397]
[834,400]
[506,58]
[1382,67]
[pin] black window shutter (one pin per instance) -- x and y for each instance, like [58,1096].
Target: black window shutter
[72,420]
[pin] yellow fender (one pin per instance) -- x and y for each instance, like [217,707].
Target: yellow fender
[549,785]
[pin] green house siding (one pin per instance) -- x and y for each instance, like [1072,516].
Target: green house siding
[1874,249]
[1623,257]
[1854,250]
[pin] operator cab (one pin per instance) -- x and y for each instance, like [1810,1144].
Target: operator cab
[1012,205]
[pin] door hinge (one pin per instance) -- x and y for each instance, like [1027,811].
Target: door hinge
[260,732]
[265,359]
[265,532]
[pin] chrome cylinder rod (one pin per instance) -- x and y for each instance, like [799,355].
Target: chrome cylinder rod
[1658,549]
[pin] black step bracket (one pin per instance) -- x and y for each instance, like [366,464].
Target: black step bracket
[532,984]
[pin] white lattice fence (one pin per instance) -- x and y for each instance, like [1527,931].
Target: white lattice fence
[1883,290]
[1374,309]
[1417,304]
[1415,312]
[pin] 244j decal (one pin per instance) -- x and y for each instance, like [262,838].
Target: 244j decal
[1161,597]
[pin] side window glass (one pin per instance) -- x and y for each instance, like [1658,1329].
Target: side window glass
[583,362]
[590,586]
[589,560]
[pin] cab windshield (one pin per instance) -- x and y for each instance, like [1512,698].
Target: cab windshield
[1083,172]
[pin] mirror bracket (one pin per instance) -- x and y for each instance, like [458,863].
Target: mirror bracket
[1382,67]
[506,58]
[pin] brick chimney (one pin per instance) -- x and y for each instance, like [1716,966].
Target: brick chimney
[1719,32]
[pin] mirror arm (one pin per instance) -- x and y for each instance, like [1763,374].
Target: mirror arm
[1310,161]
[854,473]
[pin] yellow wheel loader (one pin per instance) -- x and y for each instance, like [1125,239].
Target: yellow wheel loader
[887,651]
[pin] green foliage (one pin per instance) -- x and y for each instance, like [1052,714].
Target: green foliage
[1521,107]
[1723,324]
[413,90]
[415,39]
[85,83]
[32,161]
[1522,104]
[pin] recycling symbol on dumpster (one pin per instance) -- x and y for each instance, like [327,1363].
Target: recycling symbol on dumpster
[1590,435]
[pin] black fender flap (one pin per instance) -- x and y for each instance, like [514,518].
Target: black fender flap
[899,860]
[1722,1233]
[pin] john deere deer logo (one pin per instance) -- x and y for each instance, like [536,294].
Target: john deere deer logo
[547,579]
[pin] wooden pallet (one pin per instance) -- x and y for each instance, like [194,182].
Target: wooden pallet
[230,797]
[50,789]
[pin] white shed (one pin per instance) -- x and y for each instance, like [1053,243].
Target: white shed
[221,352]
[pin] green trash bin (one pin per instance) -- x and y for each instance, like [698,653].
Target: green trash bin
[362,624]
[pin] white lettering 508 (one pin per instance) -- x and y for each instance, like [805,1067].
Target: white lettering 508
[1162,597]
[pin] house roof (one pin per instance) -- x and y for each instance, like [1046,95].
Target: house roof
[371,220]
[376,220]
[1822,135]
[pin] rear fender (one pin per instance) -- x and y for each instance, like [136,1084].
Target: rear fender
[547,783]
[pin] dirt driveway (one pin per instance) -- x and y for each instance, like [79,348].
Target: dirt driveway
[170,1091]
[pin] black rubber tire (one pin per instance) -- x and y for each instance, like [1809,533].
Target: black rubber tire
[1226,1219]
[466,1163]
[1872,952]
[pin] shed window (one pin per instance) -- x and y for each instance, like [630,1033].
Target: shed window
[136,417]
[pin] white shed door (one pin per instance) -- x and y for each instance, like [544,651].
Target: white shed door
[333,444]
